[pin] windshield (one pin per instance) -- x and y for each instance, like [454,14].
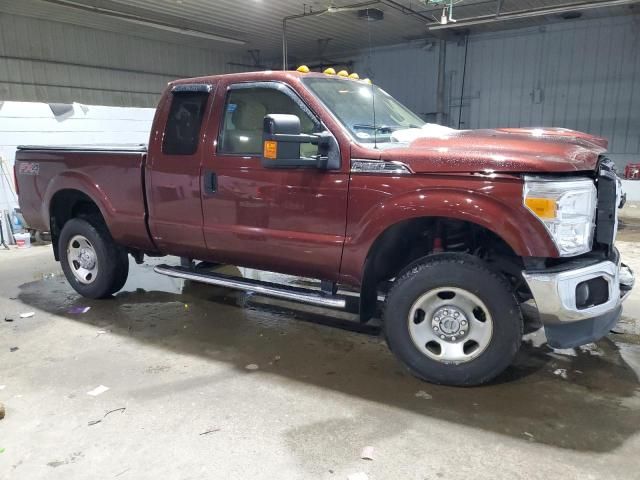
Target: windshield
[352,102]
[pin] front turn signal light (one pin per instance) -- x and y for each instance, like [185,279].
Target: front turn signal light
[544,208]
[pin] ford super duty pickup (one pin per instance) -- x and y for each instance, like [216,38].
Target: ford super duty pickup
[329,177]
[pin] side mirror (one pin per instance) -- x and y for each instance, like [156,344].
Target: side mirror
[281,140]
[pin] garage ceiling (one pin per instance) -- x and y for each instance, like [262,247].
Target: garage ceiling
[257,24]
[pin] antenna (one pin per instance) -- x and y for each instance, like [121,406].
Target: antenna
[373,92]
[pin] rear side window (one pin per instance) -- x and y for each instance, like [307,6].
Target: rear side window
[183,126]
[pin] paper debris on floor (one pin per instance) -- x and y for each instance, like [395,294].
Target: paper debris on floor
[27,314]
[100,389]
[424,395]
[358,476]
[561,372]
[252,366]
[367,453]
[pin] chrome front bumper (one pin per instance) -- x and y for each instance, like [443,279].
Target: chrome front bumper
[566,324]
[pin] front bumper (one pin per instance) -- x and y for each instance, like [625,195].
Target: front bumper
[566,324]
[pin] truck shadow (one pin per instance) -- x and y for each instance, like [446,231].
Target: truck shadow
[587,400]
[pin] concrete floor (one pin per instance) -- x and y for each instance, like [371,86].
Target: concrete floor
[174,357]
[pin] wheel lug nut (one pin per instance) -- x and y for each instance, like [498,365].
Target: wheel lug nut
[436,329]
[464,322]
[446,312]
[462,332]
[453,339]
[442,337]
[456,315]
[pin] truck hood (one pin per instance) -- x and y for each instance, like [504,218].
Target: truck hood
[506,150]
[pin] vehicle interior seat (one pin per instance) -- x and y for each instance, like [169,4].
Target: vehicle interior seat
[248,119]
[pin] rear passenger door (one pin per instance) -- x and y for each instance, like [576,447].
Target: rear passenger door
[173,170]
[288,220]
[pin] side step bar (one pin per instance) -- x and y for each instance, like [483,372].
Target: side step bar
[303,295]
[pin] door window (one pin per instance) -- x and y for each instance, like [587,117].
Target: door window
[244,116]
[182,133]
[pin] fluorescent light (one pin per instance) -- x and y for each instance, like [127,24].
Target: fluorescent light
[149,23]
[186,31]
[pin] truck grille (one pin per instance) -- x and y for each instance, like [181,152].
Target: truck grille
[609,193]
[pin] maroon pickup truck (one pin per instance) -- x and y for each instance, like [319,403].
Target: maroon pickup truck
[329,177]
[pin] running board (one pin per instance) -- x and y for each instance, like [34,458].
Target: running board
[296,294]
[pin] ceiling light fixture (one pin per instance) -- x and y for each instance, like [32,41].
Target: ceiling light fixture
[149,23]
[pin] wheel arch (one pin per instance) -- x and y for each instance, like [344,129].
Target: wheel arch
[408,242]
[70,203]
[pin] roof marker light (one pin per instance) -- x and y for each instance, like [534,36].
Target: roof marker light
[302,69]
[343,73]
[330,71]
[354,76]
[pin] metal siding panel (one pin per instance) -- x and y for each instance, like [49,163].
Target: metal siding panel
[74,46]
[632,144]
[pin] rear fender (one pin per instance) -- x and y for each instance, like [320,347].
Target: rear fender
[74,180]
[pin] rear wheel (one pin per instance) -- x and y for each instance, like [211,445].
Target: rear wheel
[452,320]
[95,266]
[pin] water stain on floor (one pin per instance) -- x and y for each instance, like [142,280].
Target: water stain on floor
[585,399]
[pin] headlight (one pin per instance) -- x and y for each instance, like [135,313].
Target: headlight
[567,209]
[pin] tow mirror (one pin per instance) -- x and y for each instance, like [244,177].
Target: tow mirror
[281,140]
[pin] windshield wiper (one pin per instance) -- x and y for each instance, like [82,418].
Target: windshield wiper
[377,128]
[382,128]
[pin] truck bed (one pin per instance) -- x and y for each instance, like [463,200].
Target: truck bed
[111,176]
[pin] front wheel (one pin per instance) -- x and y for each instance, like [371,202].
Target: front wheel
[451,320]
[95,266]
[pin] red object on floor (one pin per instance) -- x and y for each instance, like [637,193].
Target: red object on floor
[632,171]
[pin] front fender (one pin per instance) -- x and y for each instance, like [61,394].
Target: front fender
[507,218]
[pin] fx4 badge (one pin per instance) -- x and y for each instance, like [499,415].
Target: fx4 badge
[29,168]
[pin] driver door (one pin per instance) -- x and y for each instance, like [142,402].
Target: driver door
[289,220]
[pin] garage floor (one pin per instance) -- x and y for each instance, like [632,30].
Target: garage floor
[184,405]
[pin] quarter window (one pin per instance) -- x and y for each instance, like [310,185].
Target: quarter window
[183,126]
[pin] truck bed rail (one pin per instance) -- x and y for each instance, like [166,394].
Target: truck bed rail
[137,148]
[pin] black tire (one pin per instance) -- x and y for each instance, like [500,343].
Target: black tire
[470,274]
[112,260]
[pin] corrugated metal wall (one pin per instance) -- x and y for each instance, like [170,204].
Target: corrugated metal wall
[583,75]
[56,62]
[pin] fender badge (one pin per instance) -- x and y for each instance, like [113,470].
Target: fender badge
[29,168]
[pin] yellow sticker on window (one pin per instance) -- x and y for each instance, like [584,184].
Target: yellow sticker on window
[270,149]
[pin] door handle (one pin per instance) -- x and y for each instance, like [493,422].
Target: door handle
[210,182]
